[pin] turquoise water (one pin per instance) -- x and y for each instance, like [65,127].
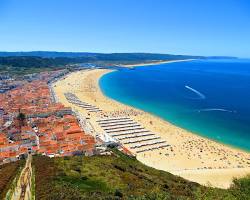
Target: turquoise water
[208,97]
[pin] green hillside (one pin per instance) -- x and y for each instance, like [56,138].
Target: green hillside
[21,63]
[7,174]
[120,177]
[34,62]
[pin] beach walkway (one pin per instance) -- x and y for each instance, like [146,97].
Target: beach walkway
[131,134]
[124,129]
[72,98]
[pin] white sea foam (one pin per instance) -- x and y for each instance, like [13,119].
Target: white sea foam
[201,96]
[216,109]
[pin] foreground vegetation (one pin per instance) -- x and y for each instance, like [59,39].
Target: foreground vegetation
[8,172]
[120,177]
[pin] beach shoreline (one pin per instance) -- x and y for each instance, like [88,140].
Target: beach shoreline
[160,118]
[156,63]
[190,156]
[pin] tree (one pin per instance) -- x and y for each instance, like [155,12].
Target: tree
[21,117]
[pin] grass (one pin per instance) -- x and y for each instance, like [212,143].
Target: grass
[120,177]
[33,189]
[8,172]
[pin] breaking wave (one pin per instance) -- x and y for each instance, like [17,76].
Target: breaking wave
[201,96]
[216,109]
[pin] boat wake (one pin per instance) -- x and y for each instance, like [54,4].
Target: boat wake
[201,96]
[216,109]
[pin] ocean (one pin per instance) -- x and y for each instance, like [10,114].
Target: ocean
[209,97]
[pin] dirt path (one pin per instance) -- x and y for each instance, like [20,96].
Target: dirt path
[23,188]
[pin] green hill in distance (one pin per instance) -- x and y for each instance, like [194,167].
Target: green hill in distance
[150,56]
[109,56]
[21,63]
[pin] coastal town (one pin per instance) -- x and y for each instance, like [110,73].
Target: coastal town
[33,123]
[61,113]
[124,100]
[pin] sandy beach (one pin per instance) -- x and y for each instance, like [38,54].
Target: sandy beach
[157,63]
[190,156]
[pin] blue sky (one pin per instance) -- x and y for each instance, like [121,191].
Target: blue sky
[197,27]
